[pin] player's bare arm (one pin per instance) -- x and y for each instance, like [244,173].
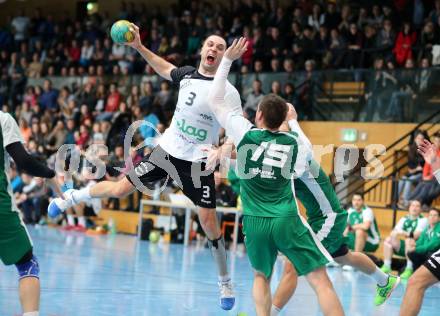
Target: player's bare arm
[160,65]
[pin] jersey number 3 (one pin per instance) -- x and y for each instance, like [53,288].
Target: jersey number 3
[276,154]
[191,98]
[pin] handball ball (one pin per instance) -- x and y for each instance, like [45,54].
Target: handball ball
[121,33]
[154,236]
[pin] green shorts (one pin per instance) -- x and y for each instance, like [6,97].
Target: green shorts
[266,236]
[14,238]
[332,235]
[351,240]
[401,251]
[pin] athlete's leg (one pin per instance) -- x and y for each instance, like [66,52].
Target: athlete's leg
[261,293]
[104,189]
[390,245]
[208,220]
[327,298]
[361,240]
[285,289]
[417,285]
[29,284]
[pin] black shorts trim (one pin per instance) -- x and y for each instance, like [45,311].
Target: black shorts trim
[342,251]
[196,182]
[433,264]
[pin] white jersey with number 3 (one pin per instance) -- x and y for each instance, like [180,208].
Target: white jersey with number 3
[193,124]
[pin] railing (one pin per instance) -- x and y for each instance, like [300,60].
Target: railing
[402,95]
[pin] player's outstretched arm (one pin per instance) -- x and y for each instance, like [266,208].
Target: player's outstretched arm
[162,67]
[429,152]
[216,98]
[292,120]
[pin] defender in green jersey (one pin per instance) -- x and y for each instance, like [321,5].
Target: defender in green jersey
[267,160]
[409,227]
[329,220]
[15,243]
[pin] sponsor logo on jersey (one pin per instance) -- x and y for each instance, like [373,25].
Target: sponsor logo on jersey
[199,133]
[185,83]
[206,117]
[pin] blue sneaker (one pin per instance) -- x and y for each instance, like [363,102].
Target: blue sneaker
[227,298]
[59,205]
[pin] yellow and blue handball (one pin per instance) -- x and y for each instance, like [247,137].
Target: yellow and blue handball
[121,32]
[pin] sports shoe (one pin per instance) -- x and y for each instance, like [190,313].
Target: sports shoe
[386,269]
[227,298]
[406,274]
[59,205]
[79,228]
[383,292]
[347,268]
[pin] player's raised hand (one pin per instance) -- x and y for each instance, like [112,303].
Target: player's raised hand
[237,48]
[136,42]
[291,112]
[429,152]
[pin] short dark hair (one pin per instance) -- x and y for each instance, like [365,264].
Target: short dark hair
[274,110]
[436,135]
[358,194]
[435,209]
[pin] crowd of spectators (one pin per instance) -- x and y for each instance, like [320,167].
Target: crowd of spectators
[98,98]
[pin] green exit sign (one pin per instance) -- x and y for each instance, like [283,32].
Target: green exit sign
[349,135]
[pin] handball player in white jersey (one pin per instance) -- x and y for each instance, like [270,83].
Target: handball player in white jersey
[181,151]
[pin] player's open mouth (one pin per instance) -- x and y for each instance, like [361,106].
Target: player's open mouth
[210,59]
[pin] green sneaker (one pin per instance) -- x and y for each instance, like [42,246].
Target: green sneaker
[386,269]
[383,292]
[406,274]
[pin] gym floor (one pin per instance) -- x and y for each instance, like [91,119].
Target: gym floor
[117,275]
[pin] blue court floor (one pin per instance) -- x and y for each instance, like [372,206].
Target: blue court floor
[116,275]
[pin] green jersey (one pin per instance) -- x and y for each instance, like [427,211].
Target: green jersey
[409,225]
[9,133]
[429,240]
[266,164]
[355,217]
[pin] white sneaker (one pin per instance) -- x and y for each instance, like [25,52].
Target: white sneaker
[347,268]
[59,205]
[227,298]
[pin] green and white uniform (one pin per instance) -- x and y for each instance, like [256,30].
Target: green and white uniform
[355,217]
[266,162]
[429,240]
[324,212]
[14,238]
[409,225]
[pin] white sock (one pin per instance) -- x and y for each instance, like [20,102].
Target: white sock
[36,313]
[409,264]
[70,220]
[387,263]
[274,311]
[81,195]
[82,221]
[380,277]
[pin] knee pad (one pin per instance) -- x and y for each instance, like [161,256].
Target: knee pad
[28,269]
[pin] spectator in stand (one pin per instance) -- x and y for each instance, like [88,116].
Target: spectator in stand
[49,97]
[275,65]
[35,68]
[428,243]
[253,99]
[337,49]
[386,38]
[57,137]
[428,38]
[316,19]
[376,20]
[375,92]
[134,97]
[405,94]
[164,100]
[346,19]
[415,167]
[355,41]
[274,44]
[276,88]
[362,232]
[112,105]
[404,43]
[429,189]
[434,15]
[20,25]
[25,130]
[332,18]
[406,230]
